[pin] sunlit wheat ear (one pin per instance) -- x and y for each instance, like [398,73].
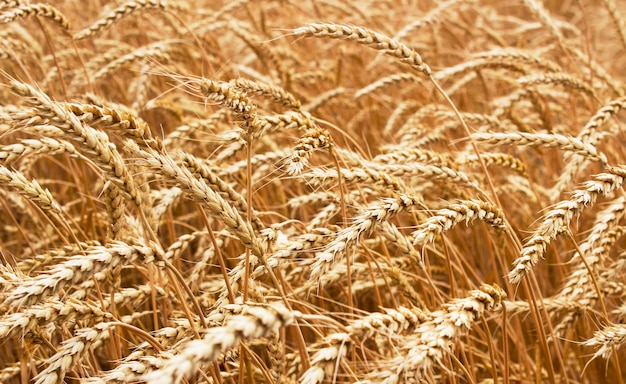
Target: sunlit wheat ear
[119,13]
[33,263]
[254,323]
[262,125]
[271,91]
[119,120]
[30,189]
[561,215]
[561,79]
[201,192]
[130,368]
[11,3]
[435,339]
[312,140]
[44,10]
[595,249]
[238,102]
[606,220]
[363,224]
[460,70]
[198,168]
[388,324]
[71,351]
[444,219]
[159,51]
[404,155]
[543,139]
[28,150]
[521,56]
[93,144]
[27,321]
[76,269]
[379,179]
[579,292]
[590,135]
[366,37]
[229,96]
[326,359]
[392,80]
[500,159]
[607,339]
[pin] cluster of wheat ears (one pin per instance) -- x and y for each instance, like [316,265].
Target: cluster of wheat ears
[318,191]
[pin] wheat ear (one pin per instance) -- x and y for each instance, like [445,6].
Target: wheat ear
[366,37]
[117,14]
[606,339]
[561,215]
[363,224]
[72,349]
[435,339]
[588,134]
[543,139]
[256,322]
[45,10]
[387,324]
[465,210]
[201,192]
[75,269]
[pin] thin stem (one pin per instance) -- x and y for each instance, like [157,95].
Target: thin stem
[344,218]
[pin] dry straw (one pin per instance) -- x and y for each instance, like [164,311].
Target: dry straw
[305,190]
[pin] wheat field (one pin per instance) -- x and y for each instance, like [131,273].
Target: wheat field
[318,191]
